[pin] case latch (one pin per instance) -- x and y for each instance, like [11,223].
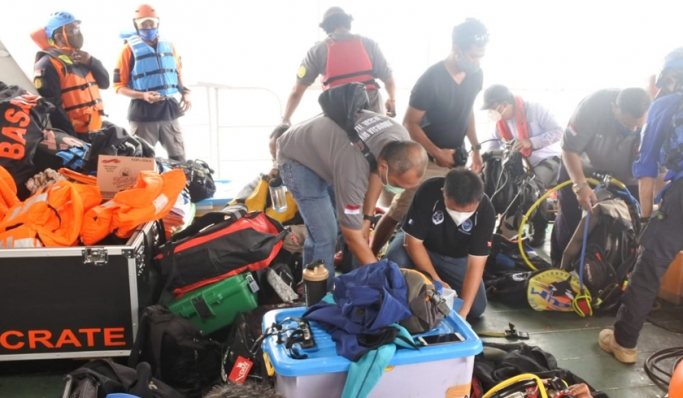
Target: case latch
[95,256]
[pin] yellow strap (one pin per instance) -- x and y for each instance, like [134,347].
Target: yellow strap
[513,380]
[526,217]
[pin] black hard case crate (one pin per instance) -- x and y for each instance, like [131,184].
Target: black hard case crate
[76,302]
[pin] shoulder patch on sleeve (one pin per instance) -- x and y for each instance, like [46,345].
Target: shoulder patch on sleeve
[38,82]
[302,72]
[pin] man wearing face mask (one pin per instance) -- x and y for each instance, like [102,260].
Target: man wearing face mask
[316,156]
[603,136]
[440,115]
[447,233]
[537,134]
[149,71]
[69,77]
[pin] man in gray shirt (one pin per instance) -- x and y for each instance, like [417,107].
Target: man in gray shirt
[316,156]
[344,58]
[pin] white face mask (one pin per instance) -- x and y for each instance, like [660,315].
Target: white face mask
[459,217]
[495,115]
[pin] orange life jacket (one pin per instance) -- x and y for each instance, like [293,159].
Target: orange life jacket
[152,197]
[151,204]
[8,192]
[78,177]
[54,213]
[80,94]
[20,237]
[348,61]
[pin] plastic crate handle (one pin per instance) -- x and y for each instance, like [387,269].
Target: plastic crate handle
[202,308]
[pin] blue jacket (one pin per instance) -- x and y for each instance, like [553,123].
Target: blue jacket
[154,69]
[368,301]
[659,127]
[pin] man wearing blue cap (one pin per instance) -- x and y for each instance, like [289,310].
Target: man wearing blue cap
[69,77]
[660,242]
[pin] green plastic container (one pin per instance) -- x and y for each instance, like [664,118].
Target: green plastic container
[215,306]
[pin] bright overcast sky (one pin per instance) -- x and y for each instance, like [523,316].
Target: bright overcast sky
[555,51]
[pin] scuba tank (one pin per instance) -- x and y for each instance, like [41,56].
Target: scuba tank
[315,282]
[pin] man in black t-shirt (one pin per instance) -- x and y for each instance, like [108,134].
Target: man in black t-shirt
[602,136]
[440,116]
[447,233]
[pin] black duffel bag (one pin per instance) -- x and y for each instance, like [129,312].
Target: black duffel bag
[219,245]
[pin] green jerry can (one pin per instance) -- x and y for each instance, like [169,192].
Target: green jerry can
[214,307]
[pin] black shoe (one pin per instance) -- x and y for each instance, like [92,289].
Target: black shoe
[537,241]
[538,238]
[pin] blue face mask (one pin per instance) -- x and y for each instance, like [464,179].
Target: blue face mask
[390,188]
[148,34]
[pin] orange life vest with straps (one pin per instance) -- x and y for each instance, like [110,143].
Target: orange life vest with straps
[347,62]
[53,215]
[80,94]
[152,197]
[8,192]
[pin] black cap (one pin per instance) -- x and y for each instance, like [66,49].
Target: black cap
[496,94]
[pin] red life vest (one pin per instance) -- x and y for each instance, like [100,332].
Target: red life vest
[348,62]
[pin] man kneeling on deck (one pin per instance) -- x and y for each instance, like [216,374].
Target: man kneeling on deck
[447,233]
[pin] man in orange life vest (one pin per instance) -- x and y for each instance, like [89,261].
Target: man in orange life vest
[68,77]
[149,71]
[537,133]
[344,58]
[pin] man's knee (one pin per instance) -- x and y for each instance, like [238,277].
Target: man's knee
[478,308]
[398,254]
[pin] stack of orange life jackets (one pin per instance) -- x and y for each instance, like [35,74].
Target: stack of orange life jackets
[59,214]
[152,197]
[51,217]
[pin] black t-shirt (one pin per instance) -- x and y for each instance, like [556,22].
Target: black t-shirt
[447,104]
[594,133]
[428,221]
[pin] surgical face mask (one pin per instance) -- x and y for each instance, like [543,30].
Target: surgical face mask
[466,66]
[495,115]
[148,34]
[459,217]
[390,188]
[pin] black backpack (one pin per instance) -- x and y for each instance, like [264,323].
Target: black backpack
[611,252]
[199,177]
[177,351]
[98,378]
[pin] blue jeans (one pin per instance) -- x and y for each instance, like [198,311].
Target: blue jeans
[316,206]
[450,270]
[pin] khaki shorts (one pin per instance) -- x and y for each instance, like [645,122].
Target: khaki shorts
[401,203]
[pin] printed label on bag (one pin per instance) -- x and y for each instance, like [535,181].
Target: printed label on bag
[240,371]
[253,286]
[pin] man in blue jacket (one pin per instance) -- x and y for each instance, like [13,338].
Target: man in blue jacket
[662,146]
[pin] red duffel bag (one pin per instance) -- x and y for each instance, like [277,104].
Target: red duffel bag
[219,245]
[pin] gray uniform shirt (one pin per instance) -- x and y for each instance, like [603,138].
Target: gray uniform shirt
[315,64]
[322,146]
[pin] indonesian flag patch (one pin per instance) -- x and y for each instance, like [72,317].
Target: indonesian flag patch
[352,209]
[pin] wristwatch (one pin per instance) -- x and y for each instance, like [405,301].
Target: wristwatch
[476,147]
[368,218]
[578,187]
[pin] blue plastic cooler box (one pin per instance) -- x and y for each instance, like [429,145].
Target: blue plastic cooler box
[439,371]
[225,192]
